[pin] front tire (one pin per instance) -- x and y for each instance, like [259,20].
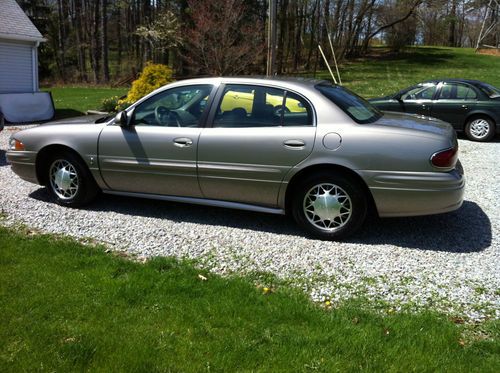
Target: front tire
[480,129]
[69,181]
[329,206]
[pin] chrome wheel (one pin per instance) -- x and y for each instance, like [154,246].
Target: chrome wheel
[327,206]
[479,128]
[64,179]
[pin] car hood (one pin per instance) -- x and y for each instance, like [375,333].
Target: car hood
[415,122]
[84,119]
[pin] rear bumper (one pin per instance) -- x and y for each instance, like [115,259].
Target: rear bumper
[413,194]
[23,164]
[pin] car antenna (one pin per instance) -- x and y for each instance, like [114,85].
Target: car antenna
[333,52]
[327,64]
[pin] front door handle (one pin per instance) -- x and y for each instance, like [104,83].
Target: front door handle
[294,144]
[465,107]
[183,142]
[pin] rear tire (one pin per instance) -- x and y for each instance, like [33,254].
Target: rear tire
[329,206]
[480,129]
[70,181]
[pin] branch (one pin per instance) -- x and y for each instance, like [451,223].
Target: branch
[408,15]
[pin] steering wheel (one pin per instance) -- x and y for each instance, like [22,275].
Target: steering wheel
[161,115]
[174,119]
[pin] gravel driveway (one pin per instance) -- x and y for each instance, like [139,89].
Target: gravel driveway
[448,262]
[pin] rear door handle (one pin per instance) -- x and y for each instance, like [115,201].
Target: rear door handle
[294,144]
[183,142]
[465,107]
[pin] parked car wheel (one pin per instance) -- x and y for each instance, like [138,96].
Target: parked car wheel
[330,206]
[70,181]
[480,129]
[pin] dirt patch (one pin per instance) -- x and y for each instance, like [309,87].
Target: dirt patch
[490,52]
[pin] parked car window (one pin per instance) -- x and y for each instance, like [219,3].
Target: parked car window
[456,92]
[297,111]
[176,107]
[490,90]
[420,93]
[259,106]
[465,93]
[360,110]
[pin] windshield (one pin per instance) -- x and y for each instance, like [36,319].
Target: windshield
[353,105]
[490,90]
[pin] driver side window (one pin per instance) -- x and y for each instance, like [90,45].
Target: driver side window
[176,107]
[420,93]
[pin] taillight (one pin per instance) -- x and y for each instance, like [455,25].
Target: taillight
[445,158]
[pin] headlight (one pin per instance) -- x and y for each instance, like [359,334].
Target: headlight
[15,144]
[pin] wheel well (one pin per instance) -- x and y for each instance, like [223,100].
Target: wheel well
[43,158]
[477,115]
[302,174]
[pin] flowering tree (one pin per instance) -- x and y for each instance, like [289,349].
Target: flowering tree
[163,32]
[225,38]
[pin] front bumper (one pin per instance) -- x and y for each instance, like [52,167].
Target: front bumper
[23,164]
[416,193]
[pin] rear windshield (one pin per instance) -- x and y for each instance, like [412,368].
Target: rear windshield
[360,110]
[491,91]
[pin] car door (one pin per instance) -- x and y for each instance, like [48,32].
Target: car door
[245,154]
[454,101]
[418,100]
[156,153]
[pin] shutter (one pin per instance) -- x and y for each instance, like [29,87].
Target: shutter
[16,68]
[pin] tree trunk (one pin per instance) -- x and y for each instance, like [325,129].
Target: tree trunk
[61,36]
[104,40]
[453,23]
[80,49]
[281,40]
[95,42]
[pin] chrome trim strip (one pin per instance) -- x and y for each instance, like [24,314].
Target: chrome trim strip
[147,162]
[200,201]
[209,166]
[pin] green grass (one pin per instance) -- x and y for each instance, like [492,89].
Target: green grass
[74,101]
[384,73]
[66,307]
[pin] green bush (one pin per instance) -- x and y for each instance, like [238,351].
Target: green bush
[109,104]
[114,104]
[152,77]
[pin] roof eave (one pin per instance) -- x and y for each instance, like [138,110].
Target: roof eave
[22,37]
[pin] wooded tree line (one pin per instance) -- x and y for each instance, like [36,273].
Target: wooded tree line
[103,40]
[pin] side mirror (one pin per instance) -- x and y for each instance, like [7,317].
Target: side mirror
[122,119]
[397,97]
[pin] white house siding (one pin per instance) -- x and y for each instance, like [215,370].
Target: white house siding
[16,67]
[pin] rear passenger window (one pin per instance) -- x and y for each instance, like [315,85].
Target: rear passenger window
[258,106]
[456,92]
[465,93]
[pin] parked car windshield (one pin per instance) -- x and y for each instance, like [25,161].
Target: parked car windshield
[353,105]
[490,90]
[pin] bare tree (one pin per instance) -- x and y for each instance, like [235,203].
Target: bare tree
[222,45]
